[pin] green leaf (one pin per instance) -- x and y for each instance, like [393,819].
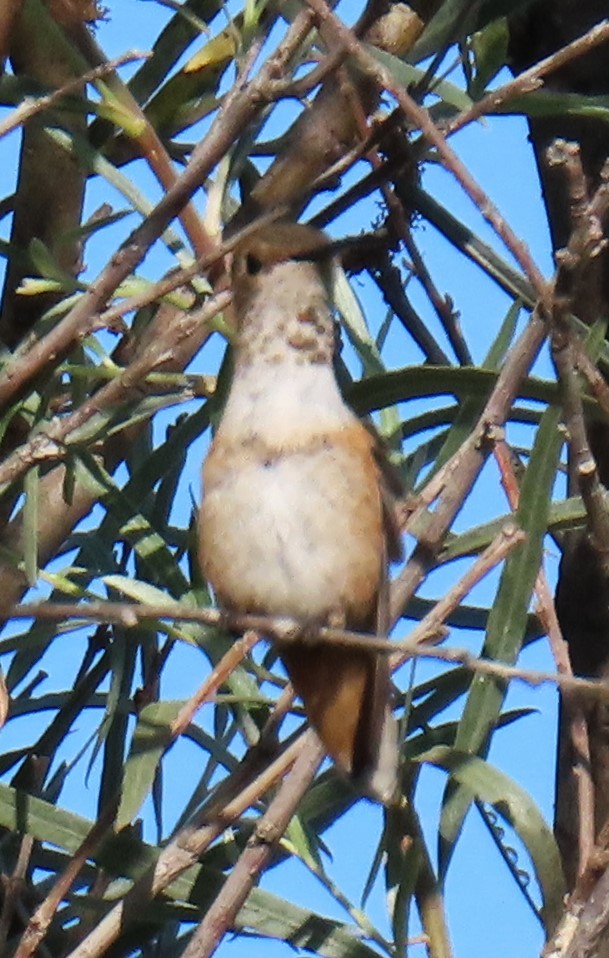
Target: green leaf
[354,321]
[185,26]
[490,48]
[563,516]
[34,286]
[151,737]
[407,75]
[112,735]
[447,23]
[300,840]
[47,266]
[412,382]
[515,805]
[122,854]
[504,338]
[507,619]
[142,592]
[546,103]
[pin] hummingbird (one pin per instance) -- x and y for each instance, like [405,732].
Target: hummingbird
[297,517]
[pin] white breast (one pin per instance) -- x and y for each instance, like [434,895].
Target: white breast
[278,402]
[287,524]
[292,537]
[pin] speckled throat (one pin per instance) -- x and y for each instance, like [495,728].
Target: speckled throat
[285,315]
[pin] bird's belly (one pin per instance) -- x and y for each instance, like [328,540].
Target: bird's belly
[298,535]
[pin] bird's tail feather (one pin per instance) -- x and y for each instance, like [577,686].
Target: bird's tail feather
[345,694]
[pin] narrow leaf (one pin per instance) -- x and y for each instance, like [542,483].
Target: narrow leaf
[516,806]
[151,737]
[507,619]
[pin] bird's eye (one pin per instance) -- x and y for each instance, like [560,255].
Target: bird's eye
[252,264]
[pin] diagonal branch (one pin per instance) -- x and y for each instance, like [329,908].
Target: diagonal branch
[257,854]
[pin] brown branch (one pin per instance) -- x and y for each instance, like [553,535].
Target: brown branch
[51,441]
[531,79]
[33,105]
[240,107]
[507,540]
[585,242]
[219,674]
[582,930]
[586,917]
[257,854]
[41,919]
[130,614]
[184,852]
[421,118]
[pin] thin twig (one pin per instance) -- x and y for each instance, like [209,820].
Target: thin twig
[442,305]
[184,852]
[531,79]
[41,919]
[232,658]
[130,614]
[422,119]
[240,107]
[594,378]
[357,915]
[257,854]
[33,105]
[507,540]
